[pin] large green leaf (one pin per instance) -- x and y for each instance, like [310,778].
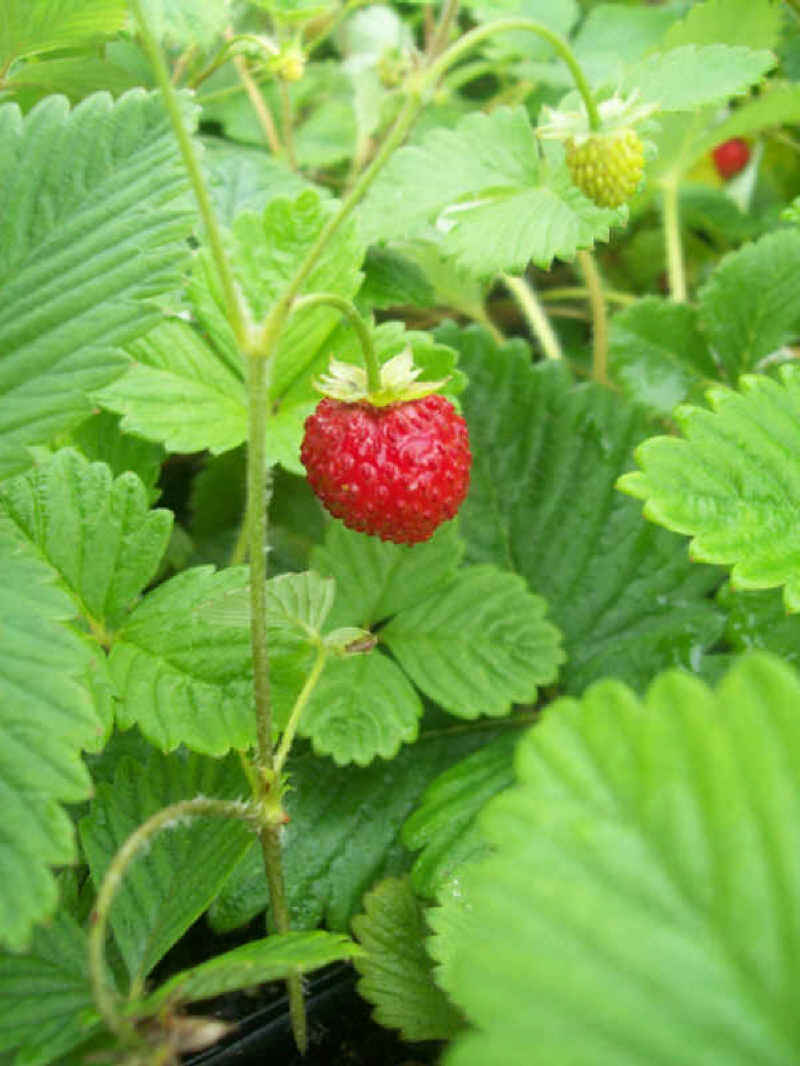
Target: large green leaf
[97,534]
[46,1004]
[642,903]
[181,23]
[342,835]
[46,719]
[478,644]
[542,502]
[486,195]
[754,23]
[396,970]
[174,880]
[29,27]
[733,481]
[93,224]
[691,77]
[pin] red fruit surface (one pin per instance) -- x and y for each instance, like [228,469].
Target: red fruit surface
[396,472]
[730,157]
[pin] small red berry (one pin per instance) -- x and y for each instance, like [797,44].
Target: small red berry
[730,157]
[396,471]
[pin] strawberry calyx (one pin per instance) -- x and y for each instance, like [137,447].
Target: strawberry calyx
[398,383]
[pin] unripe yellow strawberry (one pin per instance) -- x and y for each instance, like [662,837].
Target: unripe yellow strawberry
[607,167]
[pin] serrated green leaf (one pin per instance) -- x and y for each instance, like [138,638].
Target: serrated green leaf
[597,42]
[46,719]
[97,534]
[391,280]
[444,825]
[180,23]
[641,905]
[168,886]
[542,502]
[375,579]
[658,355]
[691,77]
[46,1004]
[75,78]
[747,306]
[479,645]
[754,23]
[93,224]
[342,835]
[244,179]
[30,27]
[178,392]
[270,959]
[732,482]
[396,970]
[760,620]
[485,197]
[182,678]
[362,707]
[100,439]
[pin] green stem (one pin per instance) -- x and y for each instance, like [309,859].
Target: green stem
[105,998]
[580,292]
[344,305]
[480,33]
[676,274]
[287,122]
[300,704]
[535,315]
[236,311]
[597,302]
[442,32]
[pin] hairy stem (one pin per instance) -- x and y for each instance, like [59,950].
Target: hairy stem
[441,33]
[597,302]
[287,122]
[299,706]
[528,302]
[105,998]
[259,105]
[344,305]
[676,273]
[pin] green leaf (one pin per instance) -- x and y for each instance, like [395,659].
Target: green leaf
[375,579]
[93,225]
[30,27]
[479,645]
[658,355]
[754,23]
[542,503]
[244,179]
[557,15]
[392,280]
[46,719]
[46,1006]
[760,620]
[732,482]
[182,678]
[641,905]
[170,884]
[485,196]
[180,23]
[342,835]
[252,964]
[97,534]
[396,970]
[747,306]
[362,707]
[597,42]
[690,77]
[100,439]
[75,78]
[179,392]
[444,825]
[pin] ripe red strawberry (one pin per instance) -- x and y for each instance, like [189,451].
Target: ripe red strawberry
[730,157]
[396,471]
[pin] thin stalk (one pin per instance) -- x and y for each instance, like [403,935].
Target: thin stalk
[236,311]
[105,998]
[580,292]
[528,302]
[441,33]
[287,122]
[299,706]
[342,304]
[259,105]
[597,302]
[676,273]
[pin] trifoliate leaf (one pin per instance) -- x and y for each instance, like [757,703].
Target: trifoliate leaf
[486,196]
[396,970]
[732,482]
[542,502]
[46,719]
[362,707]
[479,644]
[93,224]
[688,78]
[156,901]
[747,306]
[46,1004]
[97,534]
[641,902]
[342,835]
[658,355]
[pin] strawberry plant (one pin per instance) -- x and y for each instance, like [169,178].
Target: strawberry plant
[398,525]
